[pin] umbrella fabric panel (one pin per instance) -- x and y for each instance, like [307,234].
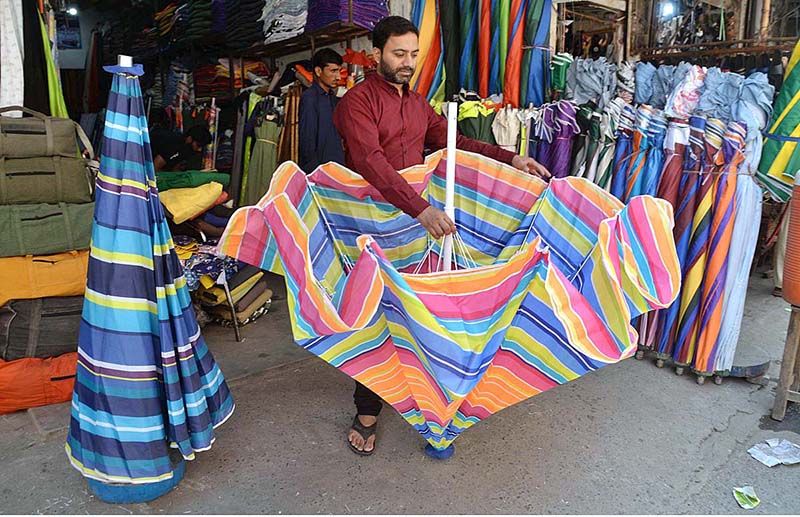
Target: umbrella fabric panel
[146,381]
[427,343]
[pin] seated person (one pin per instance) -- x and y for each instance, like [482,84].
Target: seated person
[172,149]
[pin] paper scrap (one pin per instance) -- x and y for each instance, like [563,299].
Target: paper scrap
[746,497]
[776,451]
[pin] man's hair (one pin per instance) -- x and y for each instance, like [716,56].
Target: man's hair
[391,26]
[325,57]
[200,134]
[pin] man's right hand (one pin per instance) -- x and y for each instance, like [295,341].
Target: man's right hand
[436,222]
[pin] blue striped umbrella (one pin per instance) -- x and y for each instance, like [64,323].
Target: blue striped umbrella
[623,151]
[146,381]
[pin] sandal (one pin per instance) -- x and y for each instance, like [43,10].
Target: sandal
[365,433]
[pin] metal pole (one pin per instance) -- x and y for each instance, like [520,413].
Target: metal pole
[450,185]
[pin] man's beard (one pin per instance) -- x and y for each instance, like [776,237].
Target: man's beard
[393,75]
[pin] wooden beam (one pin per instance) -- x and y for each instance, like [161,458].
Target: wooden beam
[617,5]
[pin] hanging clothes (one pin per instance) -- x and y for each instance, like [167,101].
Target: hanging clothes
[35,65]
[12,80]
[263,162]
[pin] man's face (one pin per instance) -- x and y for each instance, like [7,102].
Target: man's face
[328,75]
[398,60]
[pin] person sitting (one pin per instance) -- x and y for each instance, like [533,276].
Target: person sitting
[172,149]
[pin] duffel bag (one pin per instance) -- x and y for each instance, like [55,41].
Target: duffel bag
[45,229]
[27,383]
[40,135]
[47,179]
[44,327]
[25,278]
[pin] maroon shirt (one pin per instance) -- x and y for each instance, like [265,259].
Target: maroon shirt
[384,132]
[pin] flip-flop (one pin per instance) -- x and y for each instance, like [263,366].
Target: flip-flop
[365,433]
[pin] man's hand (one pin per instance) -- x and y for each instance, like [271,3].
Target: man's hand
[436,222]
[530,166]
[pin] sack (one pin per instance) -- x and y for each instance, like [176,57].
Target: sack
[45,229]
[44,327]
[27,383]
[25,278]
[40,135]
[46,179]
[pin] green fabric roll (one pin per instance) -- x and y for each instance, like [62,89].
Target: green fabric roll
[189,179]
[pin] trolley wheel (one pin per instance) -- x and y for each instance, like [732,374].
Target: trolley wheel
[679,370]
[659,363]
[639,354]
[701,379]
[718,380]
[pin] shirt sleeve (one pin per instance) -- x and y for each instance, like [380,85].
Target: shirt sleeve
[436,138]
[358,128]
[307,134]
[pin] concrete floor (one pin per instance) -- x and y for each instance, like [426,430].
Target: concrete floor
[629,438]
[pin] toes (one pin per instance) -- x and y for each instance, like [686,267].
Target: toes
[356,440]
[370,444]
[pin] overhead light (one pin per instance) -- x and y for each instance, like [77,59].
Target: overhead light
[667,9]
[72,11]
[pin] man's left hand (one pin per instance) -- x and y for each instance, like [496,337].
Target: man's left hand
[530,166]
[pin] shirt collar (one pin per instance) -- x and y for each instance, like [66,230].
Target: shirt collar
[386,85]
[320,90]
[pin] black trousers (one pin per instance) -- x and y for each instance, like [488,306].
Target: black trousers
[367,403]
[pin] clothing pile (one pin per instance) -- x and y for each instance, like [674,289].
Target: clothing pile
[46,211]
[242,27]
[366,13]
[198,24]
[283,19]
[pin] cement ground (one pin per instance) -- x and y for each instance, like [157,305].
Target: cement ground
[630,438]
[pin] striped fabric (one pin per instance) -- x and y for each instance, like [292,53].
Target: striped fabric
[723,214]
[146,381]
[691,295]
[623,151]
[470,18]
[780,157]
[684,213]
[559,273]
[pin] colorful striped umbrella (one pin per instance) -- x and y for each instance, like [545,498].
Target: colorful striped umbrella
[723,214]
[146,381]
[675,142]
[560,272]
[691,295]
[623,151]
[484,47]
[560,126]
[651,173]
[780,157]
[684,215]
[609,122]
[470,36]
[640,146]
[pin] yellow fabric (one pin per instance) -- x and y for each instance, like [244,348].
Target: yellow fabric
[224,312]
[29,277]
[185,203]
[186,252]
[216,295]
[473,109]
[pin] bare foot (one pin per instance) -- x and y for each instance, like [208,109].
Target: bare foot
[356,439]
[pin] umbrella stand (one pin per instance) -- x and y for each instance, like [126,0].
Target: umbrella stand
[450,185]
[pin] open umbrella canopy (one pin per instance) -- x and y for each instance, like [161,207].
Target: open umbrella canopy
[547,282]
[146,381]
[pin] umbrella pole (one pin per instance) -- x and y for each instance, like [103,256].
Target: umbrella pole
[450,185]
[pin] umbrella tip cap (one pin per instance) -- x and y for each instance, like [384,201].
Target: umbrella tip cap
[440,454]
[126,61]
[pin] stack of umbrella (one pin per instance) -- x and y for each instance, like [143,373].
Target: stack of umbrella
[492,47]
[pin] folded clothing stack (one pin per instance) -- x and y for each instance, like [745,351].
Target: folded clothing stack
[243,28]
[199,22]
[283,19]
[250,296]
[366,13]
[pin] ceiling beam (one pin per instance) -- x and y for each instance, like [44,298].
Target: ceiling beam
[618,5]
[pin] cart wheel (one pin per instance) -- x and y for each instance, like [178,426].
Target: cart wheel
[701,379]
[659,363]
[639,354]
[718,380]
[679,370]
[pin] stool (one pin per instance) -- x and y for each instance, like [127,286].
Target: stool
[789,383]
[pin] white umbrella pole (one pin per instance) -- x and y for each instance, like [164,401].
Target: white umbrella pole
[450,185]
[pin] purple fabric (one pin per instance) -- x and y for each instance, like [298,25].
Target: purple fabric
[366,13]
[557,128]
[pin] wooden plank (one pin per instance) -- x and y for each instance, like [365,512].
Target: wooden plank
[791,351]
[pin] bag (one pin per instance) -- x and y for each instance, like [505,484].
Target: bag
[44,327]
[40,135]
[25,278]
[27,383]
[45,229]
[46,179]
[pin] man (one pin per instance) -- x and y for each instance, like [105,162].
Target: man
[319,141]
[171,150]
[385,127]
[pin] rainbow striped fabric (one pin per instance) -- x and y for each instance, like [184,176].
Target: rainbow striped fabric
[558,273]
[146,381]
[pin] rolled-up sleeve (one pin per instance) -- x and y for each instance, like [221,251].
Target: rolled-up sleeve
[436,138]
[358,127]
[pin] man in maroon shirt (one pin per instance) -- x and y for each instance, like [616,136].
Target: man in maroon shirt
[385,127]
